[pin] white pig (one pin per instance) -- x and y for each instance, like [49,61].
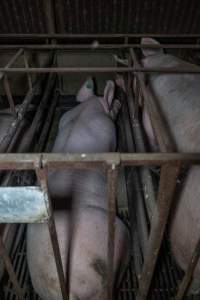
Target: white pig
[178,98]
[80,199]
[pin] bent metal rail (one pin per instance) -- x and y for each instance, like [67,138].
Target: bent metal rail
[170,162]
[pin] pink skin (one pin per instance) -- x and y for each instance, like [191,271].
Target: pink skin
[178,98]
[82,223]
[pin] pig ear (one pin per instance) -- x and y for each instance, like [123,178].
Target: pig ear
[109,93]
[86,91]
[150,51]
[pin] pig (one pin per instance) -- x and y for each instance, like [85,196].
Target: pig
[79,199]
[177,96]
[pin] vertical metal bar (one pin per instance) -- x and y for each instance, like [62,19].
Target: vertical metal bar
[9,268]
[159,128]
[188,275]
[9,95]
[42,177]
[28,75]
[164,199]
[111,181]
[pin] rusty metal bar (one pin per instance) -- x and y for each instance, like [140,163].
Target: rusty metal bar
[188,275]
[23,108]
[145,174]
[112,173]
[160,129]
[28,75]
[9,268]
[98,46]
[42,178]
[9,95]
[167,187]
[25,161]
[12,61]
[65,70]
[95,35]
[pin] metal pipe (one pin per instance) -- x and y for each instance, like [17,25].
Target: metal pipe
[12,61]
[28,75]
[26,161]
[159,127]
[65,70]
[167,187]
[9,268]
[91,46]
[7,139]
[95,35]
[9,95]
[112,173]
[188,275]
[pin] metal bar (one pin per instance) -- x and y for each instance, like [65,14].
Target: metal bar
[23,108]
[12,61]
[99,46]
[188,275]
[9,268]
[49,16]
[189,70]
[159,127]
[167,187]
[28,75]
[145,174]
[26,161]
[112,173]
[42,178]
[96,35]
[9,95]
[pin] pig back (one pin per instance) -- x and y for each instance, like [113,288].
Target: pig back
[82,240]
[177,97]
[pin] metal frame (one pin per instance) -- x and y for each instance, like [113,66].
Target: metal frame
[170,162]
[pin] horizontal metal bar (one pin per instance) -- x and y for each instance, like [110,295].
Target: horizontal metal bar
[28,161]
[96,35]
[65,70]
[23,205]
[97,46]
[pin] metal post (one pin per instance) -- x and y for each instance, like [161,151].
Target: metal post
[159,128]
[9,95]
[28,75]
[188,275]
[167,187]
[111,184]
[9,268]
[42,178]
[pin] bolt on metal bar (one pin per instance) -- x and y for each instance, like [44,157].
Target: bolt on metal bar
[42,178]
[188,275]
[9,268]
[12,61]
[28,75]
[61,161]
[167,187]
[9,95]
[111,185]
[160,129]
